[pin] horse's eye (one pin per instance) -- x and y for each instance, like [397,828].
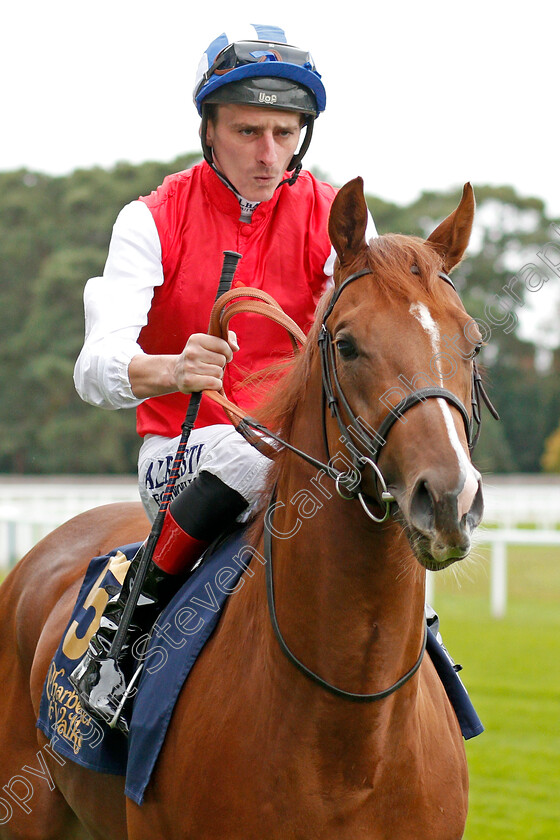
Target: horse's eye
[346,348]
[476,350]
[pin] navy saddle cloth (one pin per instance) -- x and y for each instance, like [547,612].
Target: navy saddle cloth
[180,634]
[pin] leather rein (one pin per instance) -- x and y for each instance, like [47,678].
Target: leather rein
[371,440]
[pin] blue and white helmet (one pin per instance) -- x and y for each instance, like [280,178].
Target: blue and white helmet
[264,71]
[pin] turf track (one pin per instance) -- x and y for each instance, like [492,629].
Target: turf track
[511,672]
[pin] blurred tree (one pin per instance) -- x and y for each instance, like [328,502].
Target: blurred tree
[551,456]
[54,234]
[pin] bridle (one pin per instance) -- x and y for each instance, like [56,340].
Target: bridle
[363,443]
[372,441]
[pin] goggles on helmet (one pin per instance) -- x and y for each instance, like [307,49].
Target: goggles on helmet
[252,59]
[250,52]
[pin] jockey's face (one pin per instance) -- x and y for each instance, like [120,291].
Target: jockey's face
[253,146]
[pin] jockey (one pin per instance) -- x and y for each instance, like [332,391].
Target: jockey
[146,343]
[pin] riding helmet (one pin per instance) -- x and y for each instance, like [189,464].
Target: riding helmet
[264,71]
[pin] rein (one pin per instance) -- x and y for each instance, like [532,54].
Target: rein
[338,692]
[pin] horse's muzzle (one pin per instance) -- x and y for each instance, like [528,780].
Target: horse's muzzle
[442,521]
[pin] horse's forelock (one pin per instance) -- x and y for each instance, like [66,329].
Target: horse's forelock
[391,258]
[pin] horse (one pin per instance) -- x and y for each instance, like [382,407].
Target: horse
[311,712]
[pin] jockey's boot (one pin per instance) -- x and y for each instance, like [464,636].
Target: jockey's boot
[206,508]
[201,512]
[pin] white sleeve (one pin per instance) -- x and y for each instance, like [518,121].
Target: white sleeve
[371,230]
[116,308]
[371,233]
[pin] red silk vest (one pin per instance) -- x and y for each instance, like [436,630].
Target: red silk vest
[284,251]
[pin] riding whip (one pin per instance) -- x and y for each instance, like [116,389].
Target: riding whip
[229,265]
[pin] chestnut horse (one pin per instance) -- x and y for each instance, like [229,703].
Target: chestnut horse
[259,747]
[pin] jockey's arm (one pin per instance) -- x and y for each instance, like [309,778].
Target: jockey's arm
[112,370]
[198,368]
[116,309]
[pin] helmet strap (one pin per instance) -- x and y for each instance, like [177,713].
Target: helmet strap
[293,178]
[295,162]
[209,153]
[206,149]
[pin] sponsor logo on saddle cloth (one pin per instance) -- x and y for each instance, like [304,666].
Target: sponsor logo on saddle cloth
[179,635]
[70,728]
[69,720]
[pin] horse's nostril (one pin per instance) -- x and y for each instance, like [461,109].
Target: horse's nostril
[474,516]
[422,507]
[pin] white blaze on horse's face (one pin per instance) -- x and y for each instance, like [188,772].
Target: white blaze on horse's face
[468,475]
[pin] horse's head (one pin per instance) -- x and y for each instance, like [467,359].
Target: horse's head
[401,364]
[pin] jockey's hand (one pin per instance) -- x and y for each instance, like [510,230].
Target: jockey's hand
[200,367]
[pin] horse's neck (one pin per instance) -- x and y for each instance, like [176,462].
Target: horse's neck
[351,609]
[349,594]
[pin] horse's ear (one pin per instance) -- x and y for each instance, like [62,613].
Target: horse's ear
[348,221]
[451,237]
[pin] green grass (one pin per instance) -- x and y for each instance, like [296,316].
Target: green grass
[511,672]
